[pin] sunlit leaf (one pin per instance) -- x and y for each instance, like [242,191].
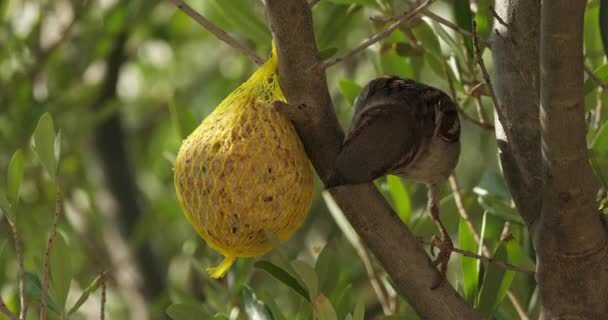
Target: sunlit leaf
[349,89]
[15,176]
[401,198]
[44,143]
[85,294]
[270,302]
[324,309]
[61,271]
[255,308]
[308,275]
[497,280]
[602,73]
[470,266]
[359,312]
[592,39]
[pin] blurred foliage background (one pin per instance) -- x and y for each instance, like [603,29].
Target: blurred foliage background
[124,81]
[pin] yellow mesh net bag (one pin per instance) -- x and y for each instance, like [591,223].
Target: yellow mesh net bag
[244,171]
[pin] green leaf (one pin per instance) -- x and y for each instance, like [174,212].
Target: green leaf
[328,52]
[463,18]
[15,177]
[33,291]
[349,89]
[308,275]
[283,276]
[344,301]
[598,153]
[593,41]
[445,36]
[359,313]
[603,21]
[268,299]
[323,308]
[255,308]
[497,280]
[428,40]
[484,18]
[401,198]
[187,311]
[470,266]
[220,316]
[338,22]
[602,73]
[241,15]
[61,271]
[44,143]
[498,207]
[85,294]
[326,270]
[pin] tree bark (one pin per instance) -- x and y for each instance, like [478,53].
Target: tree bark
[304,85]
[545,160]
[570,239]
[516,63]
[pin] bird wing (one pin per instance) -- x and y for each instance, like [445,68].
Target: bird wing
[379,138]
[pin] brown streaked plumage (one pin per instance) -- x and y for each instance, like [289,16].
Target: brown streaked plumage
[405,128]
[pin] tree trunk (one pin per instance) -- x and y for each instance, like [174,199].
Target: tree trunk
[542,95]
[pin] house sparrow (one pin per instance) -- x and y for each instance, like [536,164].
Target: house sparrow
[408,129]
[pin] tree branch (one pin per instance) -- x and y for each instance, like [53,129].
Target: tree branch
[217,32]
[396,248]
[489,260]
[47,253]
[406,16]
[5,311]
[19,254]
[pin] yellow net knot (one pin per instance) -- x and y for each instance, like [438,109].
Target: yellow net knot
[222,268]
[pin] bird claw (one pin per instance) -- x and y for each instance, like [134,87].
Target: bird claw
[445,247]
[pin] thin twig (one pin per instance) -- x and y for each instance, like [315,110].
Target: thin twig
[19,253]
[482,124]
[521,311]
[595,78]
[486,75]
[464,214]
[4,310]
[497,17]
[103,296]
[219,33]
[355,241]
[406,16]
[47,254]
[440,20]
[454,27]
[480,112]
[493,261]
